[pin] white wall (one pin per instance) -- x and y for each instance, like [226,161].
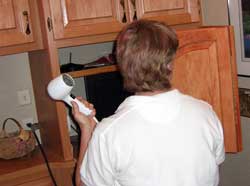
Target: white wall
[214,12]
[15,76]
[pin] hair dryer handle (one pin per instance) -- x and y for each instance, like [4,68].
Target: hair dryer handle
[82,108]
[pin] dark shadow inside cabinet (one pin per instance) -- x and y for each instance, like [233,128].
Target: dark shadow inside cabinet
[106,92]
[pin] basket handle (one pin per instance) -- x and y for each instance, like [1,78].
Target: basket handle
[15,121]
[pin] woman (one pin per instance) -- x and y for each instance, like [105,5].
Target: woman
[159,136]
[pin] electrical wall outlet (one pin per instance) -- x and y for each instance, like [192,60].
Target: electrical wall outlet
[31,120]
[27,120]
[23,97]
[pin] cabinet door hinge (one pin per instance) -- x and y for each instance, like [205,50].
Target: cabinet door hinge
[49,23]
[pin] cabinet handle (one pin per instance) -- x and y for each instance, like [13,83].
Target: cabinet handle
[26,15]
[49,23]
[134,5]
[124,18]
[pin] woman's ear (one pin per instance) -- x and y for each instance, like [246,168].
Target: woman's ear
[170,66]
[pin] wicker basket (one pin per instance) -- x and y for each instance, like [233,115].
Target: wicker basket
[16,144]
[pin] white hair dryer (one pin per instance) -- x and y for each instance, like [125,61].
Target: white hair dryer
[60,88]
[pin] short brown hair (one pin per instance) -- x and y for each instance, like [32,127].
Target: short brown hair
[144,50]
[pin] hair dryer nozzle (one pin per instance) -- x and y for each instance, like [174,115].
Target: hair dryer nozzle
[60,87]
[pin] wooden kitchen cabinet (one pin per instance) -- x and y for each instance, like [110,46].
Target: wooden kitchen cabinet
[205,68]
[19,26]
[173,12]
[79,18]
[85,17]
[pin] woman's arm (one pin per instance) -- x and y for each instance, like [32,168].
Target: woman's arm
[87,126]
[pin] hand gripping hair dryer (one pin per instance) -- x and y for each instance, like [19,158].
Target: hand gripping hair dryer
[60,88]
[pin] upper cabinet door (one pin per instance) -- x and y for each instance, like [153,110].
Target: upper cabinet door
[74,18]
[173,12]
[16,22]
[78,18]
[205,68]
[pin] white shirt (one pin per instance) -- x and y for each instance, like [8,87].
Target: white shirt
[168,139]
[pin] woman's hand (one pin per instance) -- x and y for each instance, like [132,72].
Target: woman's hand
[84,121]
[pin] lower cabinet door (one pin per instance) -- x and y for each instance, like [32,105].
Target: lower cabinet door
[205,68]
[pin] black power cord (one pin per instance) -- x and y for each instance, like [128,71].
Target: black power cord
[76,130]
[34,127]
